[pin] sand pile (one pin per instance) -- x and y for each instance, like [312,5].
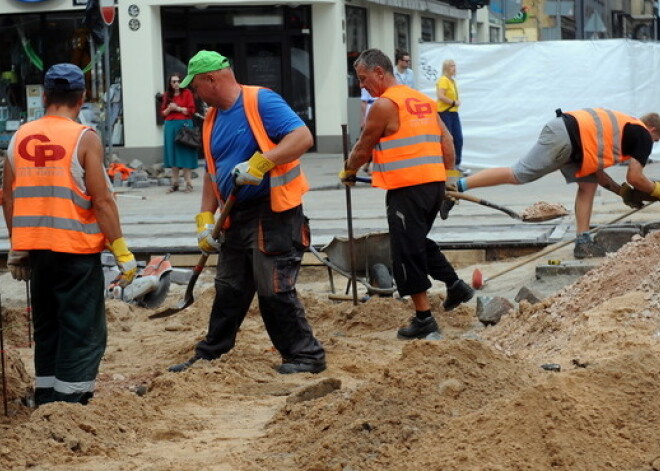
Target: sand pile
[610,311]
[476,400]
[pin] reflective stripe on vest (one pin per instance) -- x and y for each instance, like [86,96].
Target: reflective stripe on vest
[287,181]
[601,132]
[50,211]
[413,154]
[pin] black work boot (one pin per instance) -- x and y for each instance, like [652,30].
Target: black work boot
[183,366]
[457,293]
[301,366]
[588,249]
[418,328]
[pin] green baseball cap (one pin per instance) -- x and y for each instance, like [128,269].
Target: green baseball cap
[203,62]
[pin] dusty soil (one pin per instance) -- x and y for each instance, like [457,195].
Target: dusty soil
[476,400]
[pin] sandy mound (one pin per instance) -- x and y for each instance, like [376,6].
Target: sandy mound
[456,404]
[543,211]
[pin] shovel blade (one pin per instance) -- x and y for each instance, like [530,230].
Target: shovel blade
[184,303]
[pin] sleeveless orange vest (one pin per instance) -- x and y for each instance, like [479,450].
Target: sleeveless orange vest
[413,154]
[287,181]
[601,132]
[50,212]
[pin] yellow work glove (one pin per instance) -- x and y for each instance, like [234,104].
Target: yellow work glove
[347,177]
[18,262]
[205,223]
[125,261]
[655,194]
[252,172]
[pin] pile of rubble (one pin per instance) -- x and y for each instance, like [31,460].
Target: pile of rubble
[136,175]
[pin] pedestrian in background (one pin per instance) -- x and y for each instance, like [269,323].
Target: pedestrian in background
[60,213]
[581,144]
[402,72]
[178,108]
[448,104]
[411,151]
[268,233]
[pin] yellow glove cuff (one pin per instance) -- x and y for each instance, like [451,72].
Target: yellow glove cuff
[453,173]
[203,219]
[119,248]
[259,165]
[656,190]
[347,173]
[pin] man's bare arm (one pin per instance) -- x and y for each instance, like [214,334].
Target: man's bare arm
[607,182]
[7,195]
[291,147]
[209,200]
[448,151]
[90,153]
[382,120]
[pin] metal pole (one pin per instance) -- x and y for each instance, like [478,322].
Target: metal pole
[28,312]
[349,219]
[4,363]
[108,124]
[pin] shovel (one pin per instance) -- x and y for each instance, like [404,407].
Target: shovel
[473,199]
[189,298]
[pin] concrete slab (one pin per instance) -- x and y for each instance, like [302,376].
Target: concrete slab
[567,267]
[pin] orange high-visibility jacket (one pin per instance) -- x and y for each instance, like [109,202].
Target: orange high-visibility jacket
[601,132]
[50,211]
[287,181]
[413,154]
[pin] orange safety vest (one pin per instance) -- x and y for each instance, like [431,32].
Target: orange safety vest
[287,181]
[601,132]
[50,211]
[413,154]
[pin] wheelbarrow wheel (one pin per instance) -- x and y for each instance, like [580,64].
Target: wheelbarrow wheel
[380,277]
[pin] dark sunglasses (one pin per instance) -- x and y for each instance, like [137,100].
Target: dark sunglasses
[175,81]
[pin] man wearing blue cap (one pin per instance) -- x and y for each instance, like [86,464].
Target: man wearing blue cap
[61,214]
[253,139]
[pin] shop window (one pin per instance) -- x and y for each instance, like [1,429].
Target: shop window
[448,31]
[402,31]
[428,29]
[356,42]
[30,44]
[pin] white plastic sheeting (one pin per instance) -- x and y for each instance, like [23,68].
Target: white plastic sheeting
[509,91]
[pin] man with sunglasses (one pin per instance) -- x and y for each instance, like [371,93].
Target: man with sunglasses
[402,72]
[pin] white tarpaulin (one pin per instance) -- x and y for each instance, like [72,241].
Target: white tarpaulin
[508,91]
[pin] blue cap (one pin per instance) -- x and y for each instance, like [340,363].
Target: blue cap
[64,77]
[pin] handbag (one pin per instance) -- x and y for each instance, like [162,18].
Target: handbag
[189,136]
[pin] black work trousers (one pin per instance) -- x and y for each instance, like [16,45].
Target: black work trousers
[411,212]
[70,329]
[262,253]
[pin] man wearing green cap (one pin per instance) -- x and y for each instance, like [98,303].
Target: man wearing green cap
[253,139]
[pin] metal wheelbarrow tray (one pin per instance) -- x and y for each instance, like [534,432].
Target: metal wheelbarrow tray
[373,263]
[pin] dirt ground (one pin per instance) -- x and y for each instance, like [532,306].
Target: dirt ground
[476,400]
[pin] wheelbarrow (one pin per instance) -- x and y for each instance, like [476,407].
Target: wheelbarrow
[373,263]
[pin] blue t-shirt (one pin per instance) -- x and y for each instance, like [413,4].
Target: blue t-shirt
[232,141]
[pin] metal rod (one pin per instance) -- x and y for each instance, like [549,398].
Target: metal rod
[28,311]
[349,218]
[108,124]
[4,363]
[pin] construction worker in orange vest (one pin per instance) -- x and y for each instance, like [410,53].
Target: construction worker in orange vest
[582,144]
[61,214]
[268,232]
[413,154]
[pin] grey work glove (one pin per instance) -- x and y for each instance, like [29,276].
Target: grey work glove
[448,202]
[18,262]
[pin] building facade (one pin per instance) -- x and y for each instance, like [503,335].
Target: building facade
[302,50]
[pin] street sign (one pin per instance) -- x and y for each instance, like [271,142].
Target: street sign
[107,11]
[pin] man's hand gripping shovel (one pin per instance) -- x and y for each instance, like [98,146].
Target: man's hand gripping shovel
[189,297]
